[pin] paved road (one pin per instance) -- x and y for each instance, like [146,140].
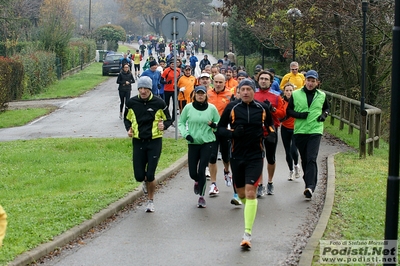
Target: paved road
[178,232]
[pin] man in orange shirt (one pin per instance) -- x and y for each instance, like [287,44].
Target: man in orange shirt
[186,85]
[219,96]
[167,78]
[230,81]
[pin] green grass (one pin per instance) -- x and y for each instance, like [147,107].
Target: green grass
[15,118]
[74,85]
[51,185]
[360,198]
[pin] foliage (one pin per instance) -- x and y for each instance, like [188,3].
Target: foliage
[79,51]
[51,185]
[110,33]
[11,80]
[74,85]
[328,39]
[151,11]
[56,26]
[194,9]
[18,19]
[39,70]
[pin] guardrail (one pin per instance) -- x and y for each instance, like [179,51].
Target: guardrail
[368,122]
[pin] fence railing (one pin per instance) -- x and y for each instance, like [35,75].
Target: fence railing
[368,122]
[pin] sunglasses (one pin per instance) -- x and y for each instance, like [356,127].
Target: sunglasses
[294,69]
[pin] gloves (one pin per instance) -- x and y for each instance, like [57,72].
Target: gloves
[271,137]
[238,131]
[322,117]
[189,138]
[269,105]
[303,115]
[212,125]
[159,86]
[182,89]
[169,82]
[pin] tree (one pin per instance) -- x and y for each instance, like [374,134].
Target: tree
[110,33]
[151,11]
[56,26]
[194,9]
[328,38]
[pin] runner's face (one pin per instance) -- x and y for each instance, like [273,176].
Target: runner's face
[204,81]
[288,91]
[219,83]
[229,74]
[311,83]
[144,93]
[246,93]
[200,96]
[264,81]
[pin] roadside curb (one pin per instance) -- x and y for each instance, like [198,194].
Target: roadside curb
[63,239]
[307,255]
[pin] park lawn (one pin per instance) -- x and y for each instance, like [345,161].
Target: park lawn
[360,197]
[51,185]
[20,117]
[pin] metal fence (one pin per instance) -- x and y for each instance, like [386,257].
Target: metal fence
[368,122]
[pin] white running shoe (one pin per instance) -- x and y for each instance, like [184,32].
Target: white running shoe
[208,173]
[150,206]
[213,190]
[291,173]
[297,171]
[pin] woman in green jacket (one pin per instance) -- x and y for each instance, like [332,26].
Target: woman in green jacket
[196,124]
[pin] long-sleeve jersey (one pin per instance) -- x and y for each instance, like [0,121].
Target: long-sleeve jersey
[143,116]
[275,100]
[255,119]
[194,122]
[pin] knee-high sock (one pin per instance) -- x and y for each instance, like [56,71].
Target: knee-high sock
[250,211]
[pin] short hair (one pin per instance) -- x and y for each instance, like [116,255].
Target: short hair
[271,77]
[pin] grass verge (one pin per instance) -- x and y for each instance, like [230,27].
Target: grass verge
[15,118]
[360,197]
[51,185]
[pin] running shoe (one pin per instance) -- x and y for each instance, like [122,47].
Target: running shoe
[196,188]
[213,190]
[235,200]
[150,206]
[308,193]
[219,157]
[246,241]
[208,173]
[228,178]
[120,115]
[144,187]
[297,171]
[201,203]
[260,191]
[270,189]
[291,173]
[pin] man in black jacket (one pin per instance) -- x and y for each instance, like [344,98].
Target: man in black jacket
[250,122]
[204,62]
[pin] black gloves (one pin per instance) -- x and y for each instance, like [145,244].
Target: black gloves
[169,82]
[271,137]
[303,115]
[322,117]
[238,131]
[189,138]
[212,125]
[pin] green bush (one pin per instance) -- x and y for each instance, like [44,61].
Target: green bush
[39,70]
[11,80]
[79,51]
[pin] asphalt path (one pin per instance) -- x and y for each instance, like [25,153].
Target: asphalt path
[178,232]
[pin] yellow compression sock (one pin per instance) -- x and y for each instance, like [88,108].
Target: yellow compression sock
[250,211]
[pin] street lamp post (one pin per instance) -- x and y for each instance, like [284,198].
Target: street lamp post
[212,36]
[192,23]
[201,36]
[224,25]
[90,14]
[294,14]
[217,24]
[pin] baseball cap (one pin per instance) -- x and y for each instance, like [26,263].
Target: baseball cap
[312,74]
[204,74]
[200,88]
